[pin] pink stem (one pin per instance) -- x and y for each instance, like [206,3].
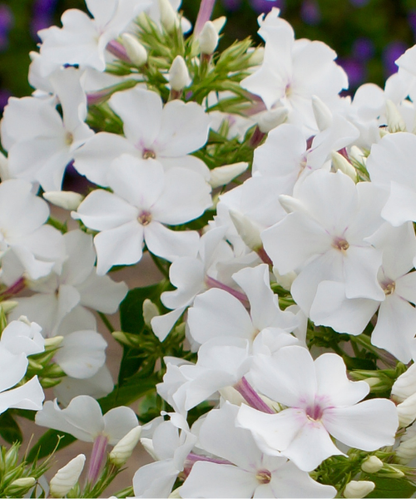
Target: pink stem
[97,457]
[213,283]
[192,458]
[117,49]
[14,289]
[252,397]
[204,15]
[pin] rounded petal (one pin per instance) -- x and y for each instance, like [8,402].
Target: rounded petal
[170,244]
[118,422]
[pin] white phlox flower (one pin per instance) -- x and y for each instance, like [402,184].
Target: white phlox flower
[36,246]
[166,133]
[41,143]
[324,238]
[170,444]
[394,330]
[246,471]
[321,402]
[293,71]
[22,336]
[82,40]
[145,199]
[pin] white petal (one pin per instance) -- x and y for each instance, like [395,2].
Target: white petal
[170,244]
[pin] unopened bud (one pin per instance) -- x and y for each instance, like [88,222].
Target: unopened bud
[178,75]
[4,167]
[8,305]
[285,280]
[222,175]
[247,230]
[271,119]
[219,23]
[64,199]
[357,490]
[123,450]
[339,162]
[395,121]
[358,155]
[323,115]
[405,385]
[24,482]
[208,38]
[232,395]
[168,15]
[53,342]
[290,204]
[406,451]
[372,464]
[175,494]
[407,411]
[372,381]
[67,477]
[257,56]
[150,310]
[134,49]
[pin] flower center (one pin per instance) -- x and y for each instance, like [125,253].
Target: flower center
[314,412]
[288,90]
[340,244]
[149,154]
[263,476]
[69,138]
[144,218]
[389,288]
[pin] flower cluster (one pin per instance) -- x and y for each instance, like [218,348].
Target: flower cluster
[270,361]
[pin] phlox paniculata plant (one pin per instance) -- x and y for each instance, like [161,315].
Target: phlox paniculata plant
[275,355]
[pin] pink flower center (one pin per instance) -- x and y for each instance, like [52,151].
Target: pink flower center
[340,244]
[149,154]
[264,476]
[144,218]
[314,412]
[389,287]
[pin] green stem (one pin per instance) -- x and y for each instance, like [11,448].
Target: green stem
[106,322]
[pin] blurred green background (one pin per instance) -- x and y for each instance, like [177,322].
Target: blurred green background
[368,35]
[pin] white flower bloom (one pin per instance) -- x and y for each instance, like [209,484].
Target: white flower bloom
[245,471]
[145,199]
[39,141]
[325,238]
[152,131]
[38,247]
[82,40]
[321,401]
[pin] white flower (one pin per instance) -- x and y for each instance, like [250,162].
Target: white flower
[321,402]
[152,131]
[145,199]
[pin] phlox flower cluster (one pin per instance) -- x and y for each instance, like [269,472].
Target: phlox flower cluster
[275,358]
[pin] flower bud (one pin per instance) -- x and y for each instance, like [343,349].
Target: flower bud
[358,155]
[208,38]
[53,342]
[271,119]
[175,494]
[222,175]
[134,49]
[232,395]
[372,464]
[24,482]
[150,310]
[357,490]
[8,305]
[323,115]
[178,75]
[219,23]
[257,56]
[168,15]
[342,164]
[123,450]
[406,451]
[4,167]
[67,477]
[247,230]
[405,385]
[64,199]
[407,411]
[285,280]
[290,203]
[395,121]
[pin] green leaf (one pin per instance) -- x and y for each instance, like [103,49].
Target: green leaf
[9,429]
[132,389]
[131,318]
[47,443]
[392,487]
